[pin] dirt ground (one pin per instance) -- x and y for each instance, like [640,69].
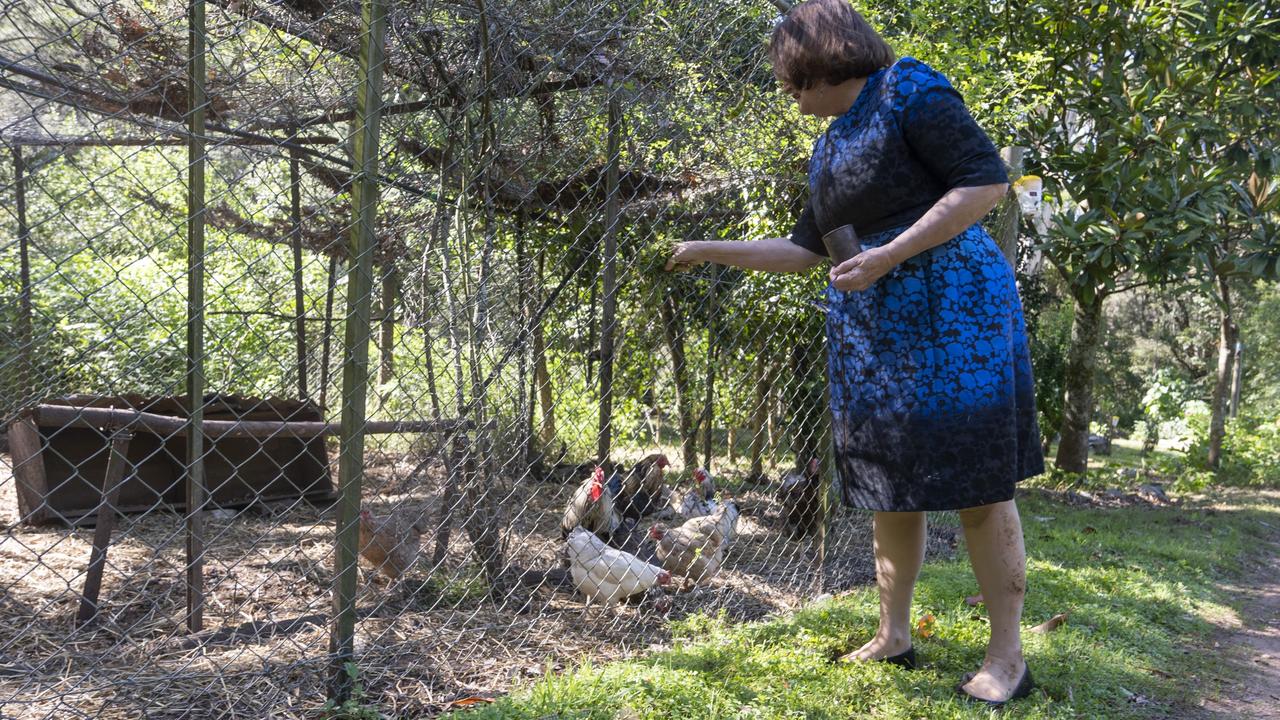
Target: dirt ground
[438,638]
[1251,648]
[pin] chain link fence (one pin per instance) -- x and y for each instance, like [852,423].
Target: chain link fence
[288,282]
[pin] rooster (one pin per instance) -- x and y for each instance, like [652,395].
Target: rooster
[591,507]
[700,499]
[606,575]
[390,544]
[641,492]
[799,497]
[696,548]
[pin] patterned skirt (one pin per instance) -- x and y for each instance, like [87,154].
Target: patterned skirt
[933,405]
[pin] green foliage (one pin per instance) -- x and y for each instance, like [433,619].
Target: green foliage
[1251,452]
[1048,318]
[354,707]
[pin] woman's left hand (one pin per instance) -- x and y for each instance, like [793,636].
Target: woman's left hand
[862,270]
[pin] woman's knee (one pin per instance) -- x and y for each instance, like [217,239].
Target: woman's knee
[975,517]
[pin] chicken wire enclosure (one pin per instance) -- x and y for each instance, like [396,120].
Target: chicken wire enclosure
[442,225]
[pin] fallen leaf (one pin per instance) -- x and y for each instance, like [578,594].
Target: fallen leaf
[1051,624]
[924,626]
[469,701]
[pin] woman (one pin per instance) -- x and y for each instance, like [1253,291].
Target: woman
[931,390]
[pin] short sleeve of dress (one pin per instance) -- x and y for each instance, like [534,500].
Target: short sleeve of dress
[940,131]
[806,233]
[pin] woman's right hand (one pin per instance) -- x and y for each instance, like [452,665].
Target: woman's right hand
[685,255]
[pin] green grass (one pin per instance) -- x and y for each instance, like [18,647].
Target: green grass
[1140,585]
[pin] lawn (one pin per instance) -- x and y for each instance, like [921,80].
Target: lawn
[1140,584]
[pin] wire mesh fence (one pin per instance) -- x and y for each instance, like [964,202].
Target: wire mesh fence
[285,282]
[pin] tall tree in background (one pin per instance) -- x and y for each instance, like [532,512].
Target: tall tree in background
[1111,132]
[1232,91]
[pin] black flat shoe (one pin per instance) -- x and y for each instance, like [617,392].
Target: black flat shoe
[903,659]
[1023,689]
[906,659]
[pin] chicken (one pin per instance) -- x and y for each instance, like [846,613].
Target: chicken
[607,575]
[700,499]
[390,544]
[640,493]
[591,507]
[696,548]
[799,497]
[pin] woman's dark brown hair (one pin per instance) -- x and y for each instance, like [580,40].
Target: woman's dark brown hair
[827,41]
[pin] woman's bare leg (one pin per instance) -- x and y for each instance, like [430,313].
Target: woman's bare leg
[899,548]
[994,536]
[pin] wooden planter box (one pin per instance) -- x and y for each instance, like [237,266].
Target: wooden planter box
[60,462]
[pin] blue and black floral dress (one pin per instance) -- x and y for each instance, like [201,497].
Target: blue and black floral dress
[933,406]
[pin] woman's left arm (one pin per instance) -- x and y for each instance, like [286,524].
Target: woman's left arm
[950,216]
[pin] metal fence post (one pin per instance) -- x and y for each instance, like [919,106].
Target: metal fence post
[195,313]
[26,353]
[299,297]
[355,364]
[608,319]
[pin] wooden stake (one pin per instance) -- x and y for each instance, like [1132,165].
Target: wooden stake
[111,485]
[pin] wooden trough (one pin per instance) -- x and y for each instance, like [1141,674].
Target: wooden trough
[86,458]
[61,449]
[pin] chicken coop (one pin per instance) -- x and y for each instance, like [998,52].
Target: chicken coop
[284,282]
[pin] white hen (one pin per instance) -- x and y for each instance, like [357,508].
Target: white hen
[607,575]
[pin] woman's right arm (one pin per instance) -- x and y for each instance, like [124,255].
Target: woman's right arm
[770,254]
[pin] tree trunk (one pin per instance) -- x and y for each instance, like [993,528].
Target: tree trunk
[1077,409]
[456,456]
[673,330]
[387,336]
[327,333]
[1238,376]
[1228,333]
[805,408]
[542,378]
[485,523]
[760,416]
[524,400]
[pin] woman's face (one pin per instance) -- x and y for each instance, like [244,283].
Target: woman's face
[821,99]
